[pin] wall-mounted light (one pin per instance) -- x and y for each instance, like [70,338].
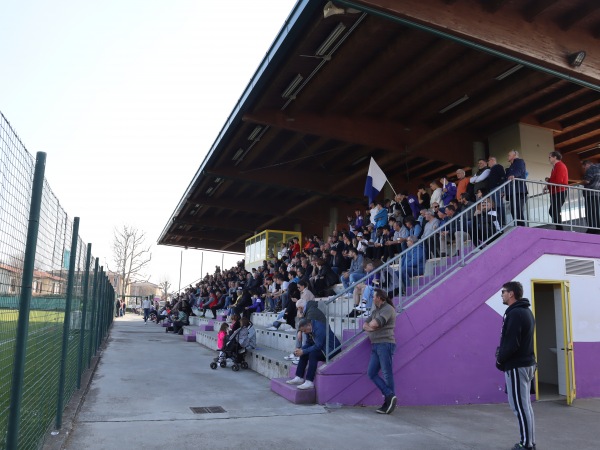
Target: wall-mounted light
[331,10]
[575,59]
[238,154]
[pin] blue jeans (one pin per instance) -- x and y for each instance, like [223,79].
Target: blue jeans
[367,296]
[382,356]
[146,314]
[311,360]
[352,278]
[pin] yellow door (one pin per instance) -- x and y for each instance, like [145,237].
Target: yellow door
[568,343]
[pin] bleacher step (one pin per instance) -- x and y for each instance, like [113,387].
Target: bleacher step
[292,393]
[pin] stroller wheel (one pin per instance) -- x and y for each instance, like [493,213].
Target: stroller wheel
[235,367]
[213,365]
[223,364]
[244,365]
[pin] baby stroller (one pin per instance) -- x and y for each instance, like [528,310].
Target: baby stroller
[232,350]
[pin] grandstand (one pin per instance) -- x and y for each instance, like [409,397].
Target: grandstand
[426,89]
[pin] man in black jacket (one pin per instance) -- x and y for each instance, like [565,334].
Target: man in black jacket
[516,359]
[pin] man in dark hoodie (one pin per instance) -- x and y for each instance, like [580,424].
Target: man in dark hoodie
[516,359]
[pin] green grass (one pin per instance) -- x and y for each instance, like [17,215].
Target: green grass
[42,366]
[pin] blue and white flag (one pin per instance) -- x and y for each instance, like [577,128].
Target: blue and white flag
[376,179]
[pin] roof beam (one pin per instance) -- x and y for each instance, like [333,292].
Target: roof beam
[494,5]
[566,109]
[483,105]
[579,134]
[581,145]
[543,43]
[578,14]
[535,8]
[360,130]
[583,117]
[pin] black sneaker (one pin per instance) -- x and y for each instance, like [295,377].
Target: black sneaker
[391,404]
[519,446]
[383,409]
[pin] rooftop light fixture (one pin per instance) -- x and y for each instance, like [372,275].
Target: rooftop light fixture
[509,72]
[328,43]
[254,134]
[237,154]
[454,104]
[290,91]
[575,59]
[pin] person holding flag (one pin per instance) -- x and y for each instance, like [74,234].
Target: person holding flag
[376,179]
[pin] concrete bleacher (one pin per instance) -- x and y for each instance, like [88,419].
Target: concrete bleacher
[268,358]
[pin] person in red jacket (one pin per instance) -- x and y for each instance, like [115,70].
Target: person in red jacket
[559,175]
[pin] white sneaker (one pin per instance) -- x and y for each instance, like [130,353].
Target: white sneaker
[282,320]
[272,329]
[365,314]
[296,361]
[361,307]
[296,380]
[307,385]
[289,357]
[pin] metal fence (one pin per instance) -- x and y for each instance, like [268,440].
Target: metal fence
[442,249]
[56,304]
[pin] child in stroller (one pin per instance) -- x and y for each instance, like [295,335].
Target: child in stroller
[236,345]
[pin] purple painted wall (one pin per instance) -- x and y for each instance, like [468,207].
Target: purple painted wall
[446,341]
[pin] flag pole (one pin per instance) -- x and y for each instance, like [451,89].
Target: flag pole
[388,181]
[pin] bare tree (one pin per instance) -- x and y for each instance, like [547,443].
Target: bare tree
[165,285]
[130,254]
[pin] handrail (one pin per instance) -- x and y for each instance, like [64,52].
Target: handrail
[464,237]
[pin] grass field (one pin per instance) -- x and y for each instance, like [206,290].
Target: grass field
[42,367]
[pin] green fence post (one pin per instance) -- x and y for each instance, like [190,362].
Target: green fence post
[16,393]
[94,308]
[67,326]
[100,306]
[86,285]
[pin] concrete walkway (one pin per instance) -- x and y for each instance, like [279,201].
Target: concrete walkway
[146,382]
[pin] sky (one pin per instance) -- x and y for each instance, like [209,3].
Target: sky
[126,98]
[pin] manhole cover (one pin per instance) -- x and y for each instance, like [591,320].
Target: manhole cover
[207,409]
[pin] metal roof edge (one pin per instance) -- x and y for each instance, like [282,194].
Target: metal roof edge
[301,12]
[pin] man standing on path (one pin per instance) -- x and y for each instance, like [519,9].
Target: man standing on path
[559,175]
[516,359]
[146,306]
[380,328]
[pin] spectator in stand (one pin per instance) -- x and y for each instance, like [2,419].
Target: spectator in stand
[313,351]
[235,323]
[436,193]
[482,192]
[423,197]
[463,183]
[558,176]
[516,193]
[182,320]
[325,278]
[363,292]
[401,207]
[413,261]
[479,180]
[336,261]
[485,222]
[495,179]
[244,301]
[448,191]
[295,246]
[393,246]
[432,224]
[362,243]
[356,270]
[257,305]
[591,180]
[413,201]
[381,216]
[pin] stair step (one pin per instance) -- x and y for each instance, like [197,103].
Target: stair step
[292,393]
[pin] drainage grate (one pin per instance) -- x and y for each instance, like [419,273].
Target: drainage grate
[207,409]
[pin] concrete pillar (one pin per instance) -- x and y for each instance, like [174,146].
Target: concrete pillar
[478,153]
[532,143]
[333,219]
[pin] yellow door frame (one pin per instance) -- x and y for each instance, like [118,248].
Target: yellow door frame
[565,294]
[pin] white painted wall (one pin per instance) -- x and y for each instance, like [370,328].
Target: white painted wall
[585,294]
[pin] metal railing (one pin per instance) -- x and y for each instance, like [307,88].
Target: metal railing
[455,243]
[54,300]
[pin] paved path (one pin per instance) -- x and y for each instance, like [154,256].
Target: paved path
[146,382]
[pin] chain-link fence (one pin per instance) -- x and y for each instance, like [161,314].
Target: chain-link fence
[56,304]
